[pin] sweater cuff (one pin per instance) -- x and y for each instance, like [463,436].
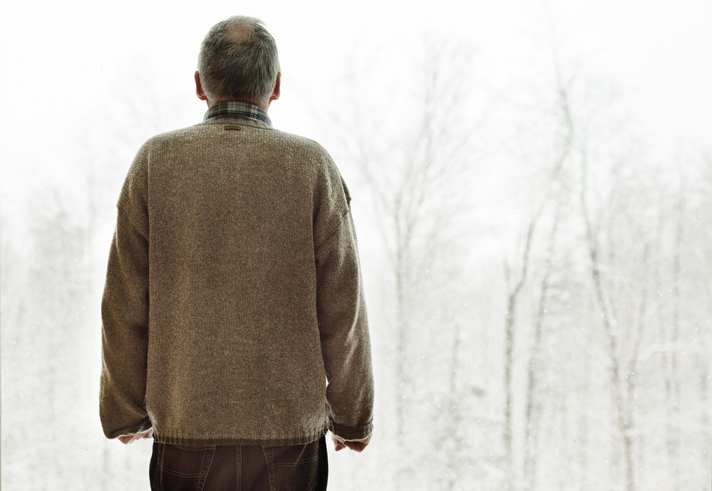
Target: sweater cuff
[351,432]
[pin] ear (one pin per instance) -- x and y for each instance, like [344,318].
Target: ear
[199,88]
[275,92]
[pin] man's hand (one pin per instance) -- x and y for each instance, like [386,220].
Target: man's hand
[136,436]
[356,445]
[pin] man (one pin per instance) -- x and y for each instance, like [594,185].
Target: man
[234,323]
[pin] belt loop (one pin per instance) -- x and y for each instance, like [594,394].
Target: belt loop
[268,452]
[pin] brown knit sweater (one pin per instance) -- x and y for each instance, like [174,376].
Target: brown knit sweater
[233,311]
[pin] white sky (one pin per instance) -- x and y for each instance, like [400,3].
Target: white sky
[60,58]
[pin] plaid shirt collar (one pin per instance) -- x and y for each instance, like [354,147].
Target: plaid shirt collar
[235,108]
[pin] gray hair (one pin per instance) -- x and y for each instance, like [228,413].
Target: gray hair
[238,60]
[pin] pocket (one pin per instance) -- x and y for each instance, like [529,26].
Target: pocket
[293,455]
[295,467]
[180,467]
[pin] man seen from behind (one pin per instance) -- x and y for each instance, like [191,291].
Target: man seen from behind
[234,322]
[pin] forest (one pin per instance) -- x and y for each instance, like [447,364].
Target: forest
[537,270]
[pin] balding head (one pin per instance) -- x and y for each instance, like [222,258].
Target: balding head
[239,31]
[239,61]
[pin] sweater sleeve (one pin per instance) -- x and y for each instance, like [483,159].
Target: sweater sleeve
[124,313]
[344,333]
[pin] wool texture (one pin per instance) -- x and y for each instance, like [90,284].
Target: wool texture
[233,311]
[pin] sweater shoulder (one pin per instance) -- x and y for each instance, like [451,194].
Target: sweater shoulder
[173,137]
[307,147]
[277,140]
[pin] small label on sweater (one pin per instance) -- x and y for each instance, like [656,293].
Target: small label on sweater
[233,127]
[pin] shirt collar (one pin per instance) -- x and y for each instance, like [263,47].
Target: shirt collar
[236,108]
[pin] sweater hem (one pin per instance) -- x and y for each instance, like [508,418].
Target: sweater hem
[265,442]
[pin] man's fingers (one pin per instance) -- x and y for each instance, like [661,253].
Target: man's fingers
[136,436]
[338,443]
[357,446]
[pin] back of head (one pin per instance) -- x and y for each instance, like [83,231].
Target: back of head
[238,61]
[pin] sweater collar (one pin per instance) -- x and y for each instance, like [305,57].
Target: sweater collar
[235,108]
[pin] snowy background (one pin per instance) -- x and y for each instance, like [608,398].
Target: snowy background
[532,187]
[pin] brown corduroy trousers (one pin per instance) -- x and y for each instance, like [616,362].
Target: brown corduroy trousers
[239,467]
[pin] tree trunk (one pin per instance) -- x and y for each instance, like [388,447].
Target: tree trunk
[622,416]
[672,378]
[530,441]
[513,297]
